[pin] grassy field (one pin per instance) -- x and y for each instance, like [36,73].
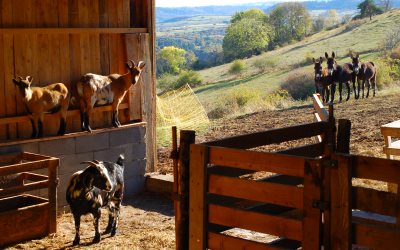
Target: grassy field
[192,24]
[364,36]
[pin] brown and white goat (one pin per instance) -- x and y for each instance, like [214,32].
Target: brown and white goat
[53,98]
[93,89]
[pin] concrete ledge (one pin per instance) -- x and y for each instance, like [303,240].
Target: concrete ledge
[159,184]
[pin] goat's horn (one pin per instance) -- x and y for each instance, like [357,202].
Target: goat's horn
[19,77]
[91,163]
[133,63]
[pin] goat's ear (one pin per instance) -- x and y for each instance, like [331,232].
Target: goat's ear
[141,65]
[29,79]
[16,82]
[129,65]
[326,55]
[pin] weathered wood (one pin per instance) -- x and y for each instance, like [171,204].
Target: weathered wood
[311,150]
[221,241]
[255,221]
[197,207]
[312,215]
[24,188]
[319,108]
[52,193]
[289,196]
[343,136]
[374,201]
[251,160]
[341,204]
[376,169]
[22,167]
[272,136]
[376,237]
[186,139]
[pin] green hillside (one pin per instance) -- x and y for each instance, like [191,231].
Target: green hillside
[364,36]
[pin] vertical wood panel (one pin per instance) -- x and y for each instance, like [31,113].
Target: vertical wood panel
[3,128]
[10,89]
[46,13]
[197,207]
[7,13]
[312,215]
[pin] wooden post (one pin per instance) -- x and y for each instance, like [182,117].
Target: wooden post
[52,193]
[197,206]
[332,128]
[343,136]
[181,161]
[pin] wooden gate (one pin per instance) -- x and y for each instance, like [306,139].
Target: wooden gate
[286,204]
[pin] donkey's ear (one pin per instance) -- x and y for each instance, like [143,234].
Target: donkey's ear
[326,55]
[313,60]
[321,59]
[357,55]
[333,54]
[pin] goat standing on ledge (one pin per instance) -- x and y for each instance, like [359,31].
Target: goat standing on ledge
[98,90]
[100,184]
[53,98]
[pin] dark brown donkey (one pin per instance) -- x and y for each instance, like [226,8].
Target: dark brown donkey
[321,79]
[339,74]
[365,72]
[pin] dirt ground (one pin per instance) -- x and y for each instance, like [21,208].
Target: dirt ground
[147,221]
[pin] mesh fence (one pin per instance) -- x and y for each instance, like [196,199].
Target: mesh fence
[182,109]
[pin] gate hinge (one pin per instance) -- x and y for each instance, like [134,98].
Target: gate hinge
[321,205]
[329,163]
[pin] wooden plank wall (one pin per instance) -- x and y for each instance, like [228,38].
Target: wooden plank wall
[64,56]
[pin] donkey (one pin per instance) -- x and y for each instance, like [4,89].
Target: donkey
[321,79]
[365,72]
[339,74]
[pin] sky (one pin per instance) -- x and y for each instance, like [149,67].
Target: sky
[191,3]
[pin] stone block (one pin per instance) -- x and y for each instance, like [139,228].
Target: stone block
[57,147]
[125,136]
[113,153]
[134,186]
[138,151]
[69,164]
[93,142]
[135,168]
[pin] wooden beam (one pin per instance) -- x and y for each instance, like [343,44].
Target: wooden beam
[54,31]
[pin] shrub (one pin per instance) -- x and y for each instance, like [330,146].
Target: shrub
[278,99]
[243,94]
[299,85]
[225,106]
[392,40]
[190,77]
[166,82]
[354,24]
[237,67]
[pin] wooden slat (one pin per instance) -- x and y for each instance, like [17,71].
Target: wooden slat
[254,221]
[391,151]
[25,188]
[376,237]
[52,193]
[23,167]
[341,206]
[197,208]
[311,150]
[376,169]
[272,136]
[34,157]
[319,107]
[3,113]
[221,241]
[312,215]
[251,160]
[374,201]
[34,177]
[289,196]
[8,159]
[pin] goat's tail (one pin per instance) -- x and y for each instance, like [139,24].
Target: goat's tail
[120,160]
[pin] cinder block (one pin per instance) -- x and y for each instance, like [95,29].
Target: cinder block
[69,164]
[138,151]
[134,186]
[125,136]
[30,147]
[57,147]
[112,154]
[135,168]
[92,142]
[160,184]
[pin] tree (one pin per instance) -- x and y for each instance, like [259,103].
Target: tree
[386,5]
[368,9]
[245,38]
[291,21]
[332,18]
[319,23]
[252,13]
[170,59]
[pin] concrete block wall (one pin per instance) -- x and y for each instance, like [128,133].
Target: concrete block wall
[103,145]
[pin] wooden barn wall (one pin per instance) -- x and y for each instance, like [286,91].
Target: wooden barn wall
[59,41]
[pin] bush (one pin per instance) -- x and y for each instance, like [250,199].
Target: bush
[392,40]
[354,24]
[243,94]
[188,77]
[262,64]
[388,71]
[299,85]
[226,106]
[166,82]
[237,67]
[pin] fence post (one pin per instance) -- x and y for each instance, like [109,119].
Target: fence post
[52,193]
[343,136]
[332,128]
[197,203]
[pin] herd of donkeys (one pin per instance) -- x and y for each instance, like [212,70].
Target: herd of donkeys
[364,73]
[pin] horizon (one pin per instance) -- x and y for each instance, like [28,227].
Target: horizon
[197,3]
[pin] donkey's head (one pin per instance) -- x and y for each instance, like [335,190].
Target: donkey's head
[355,61]
[135,70]
[318,68]
[331,62]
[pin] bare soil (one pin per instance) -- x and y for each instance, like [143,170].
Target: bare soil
[147,221]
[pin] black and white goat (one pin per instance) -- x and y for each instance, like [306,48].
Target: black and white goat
[101,184]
